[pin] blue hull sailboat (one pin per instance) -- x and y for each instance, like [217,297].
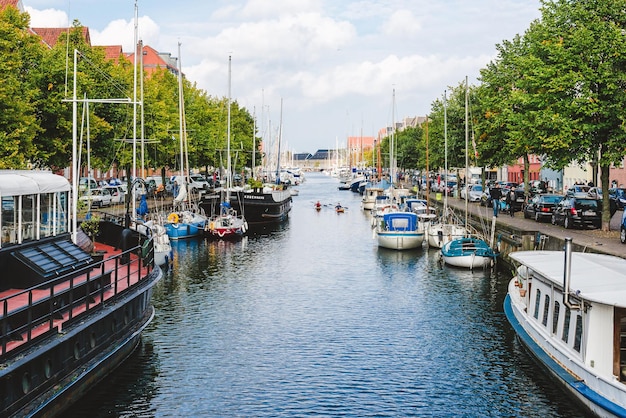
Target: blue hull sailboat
[468,252]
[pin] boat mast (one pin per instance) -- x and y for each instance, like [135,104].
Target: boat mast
[427,172]
[180,114]
[229,174]
[445,152]
[466,148]
[253,140]
[391,143]
[280,135]
[135,106]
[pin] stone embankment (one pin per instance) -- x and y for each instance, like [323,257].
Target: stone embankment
[515,233]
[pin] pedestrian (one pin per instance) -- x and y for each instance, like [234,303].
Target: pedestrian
[510,198]
[495,194]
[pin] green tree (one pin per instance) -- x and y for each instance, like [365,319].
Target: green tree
[583,44]
[19,69]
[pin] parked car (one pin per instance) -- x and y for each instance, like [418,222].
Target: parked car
[618,196]
[97,198]
[520,198]
[595,192]
[622,229]
[473,191]
[578,211]
[577,190]
[85,183]
[198,182]
[117,194]
[541,206]
[195,183]
[485,198]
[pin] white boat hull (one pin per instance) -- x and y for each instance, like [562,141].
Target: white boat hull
[400,240]
[440,234]
[471,261]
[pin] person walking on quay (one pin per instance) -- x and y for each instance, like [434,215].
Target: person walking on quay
[510,198]
[495,194]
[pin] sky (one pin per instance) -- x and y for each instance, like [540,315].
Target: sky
[340,68]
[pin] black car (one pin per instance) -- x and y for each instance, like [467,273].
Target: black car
[520,198]
[618,196]
[541,206]
[578,211]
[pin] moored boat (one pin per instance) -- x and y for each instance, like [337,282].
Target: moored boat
[399,231]
[185,224]
[69,315]
[468,252]
[227,224]
[369,197]
[269,204]
[569,310]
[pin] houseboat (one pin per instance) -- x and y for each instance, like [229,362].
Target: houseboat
[71,310]
[569,309]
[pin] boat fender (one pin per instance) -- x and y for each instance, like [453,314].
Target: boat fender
[173,218]
[145,248]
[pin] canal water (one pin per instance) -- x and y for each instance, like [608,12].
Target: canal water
[311,318]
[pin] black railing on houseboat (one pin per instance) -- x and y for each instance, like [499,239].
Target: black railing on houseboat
[90,288]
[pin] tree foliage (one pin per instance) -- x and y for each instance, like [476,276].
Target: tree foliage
[37,117]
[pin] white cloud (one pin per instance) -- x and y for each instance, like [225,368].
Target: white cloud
[48,18]
[322,56]
[401,23]
[122,32]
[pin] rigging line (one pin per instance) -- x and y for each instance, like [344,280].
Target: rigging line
[106,76]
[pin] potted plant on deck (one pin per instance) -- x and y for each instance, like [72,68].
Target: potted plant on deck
[91,227]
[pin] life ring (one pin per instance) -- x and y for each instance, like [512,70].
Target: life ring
[173,218]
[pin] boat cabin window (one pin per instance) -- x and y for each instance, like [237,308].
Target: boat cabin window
[579,333]
[537,301]
[28,216]
[9,219]
[565,336]
[22,220]
[621,360]
[546,310]
[54,214]
[555,316]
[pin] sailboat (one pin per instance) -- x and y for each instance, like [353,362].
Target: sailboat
[468,251]
[227,223]
[396,229]
[447,228]
[187,222]
[163,253]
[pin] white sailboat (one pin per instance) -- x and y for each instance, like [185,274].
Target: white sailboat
[469,251]
[163,253]
[447,227]
[394,228]
[227,223]
[187,221]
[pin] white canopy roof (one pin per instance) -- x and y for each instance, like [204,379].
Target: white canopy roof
[24,182]
[596,277]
